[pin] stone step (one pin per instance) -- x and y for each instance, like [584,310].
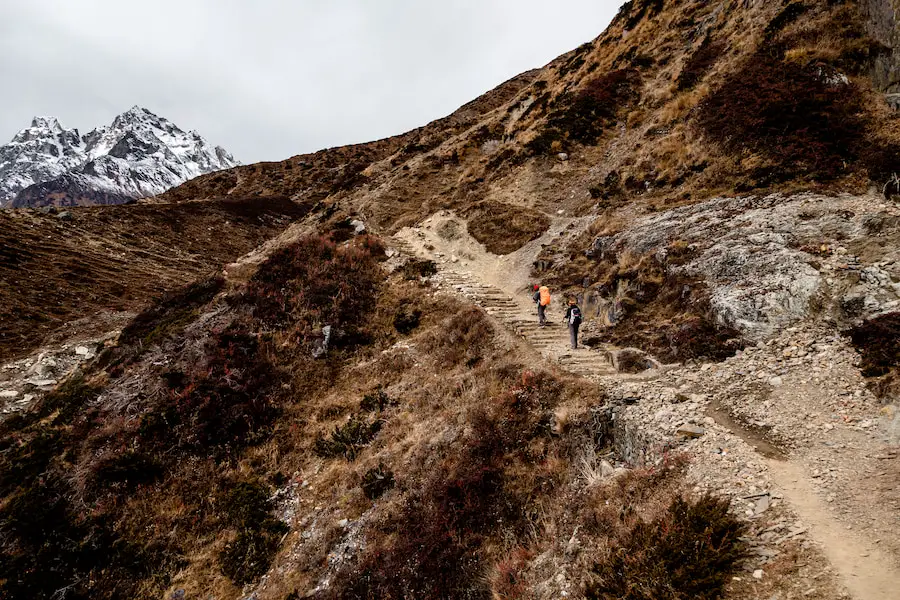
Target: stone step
[545,332]
[589,369]
[584,363]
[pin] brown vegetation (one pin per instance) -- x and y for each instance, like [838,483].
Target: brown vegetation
[441,474]
[504,228]
[201,416]
[117,258]
[878,340]
[686,553]
[801,118]
[583,116]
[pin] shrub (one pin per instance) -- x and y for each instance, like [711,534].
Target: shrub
[25,460]
[791,114]
[548,141]
[377,481]
[415,269]
[634,11]
[125,471]
[463,338]
[407,319]
[376,401]
[687,554]
[785,17]
[630,361]
[225,405]
[435,545]
[49,545]
[878,341]
[583,116]
[170,313]
[699,63]
[348,439]
[67,399]
[247,507]
[249,556]
[315,282]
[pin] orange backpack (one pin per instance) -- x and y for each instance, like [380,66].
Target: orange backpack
[545,296]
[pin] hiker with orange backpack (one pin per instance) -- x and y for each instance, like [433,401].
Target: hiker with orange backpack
[541,297]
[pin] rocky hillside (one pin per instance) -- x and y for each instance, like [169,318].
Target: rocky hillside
[676,102]
[363,406]
[139,155]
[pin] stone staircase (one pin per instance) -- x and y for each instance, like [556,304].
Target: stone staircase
[521,318]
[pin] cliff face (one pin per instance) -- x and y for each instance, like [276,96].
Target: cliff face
[883,25]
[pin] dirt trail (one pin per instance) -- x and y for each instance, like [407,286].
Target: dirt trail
[867,572]
[500,286]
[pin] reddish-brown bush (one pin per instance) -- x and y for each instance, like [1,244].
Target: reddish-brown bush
[584,115]
[878,341]
[316,282]
[464,338]
[686,554]
[227,404]
[699,63]
[436,547]
[803,118]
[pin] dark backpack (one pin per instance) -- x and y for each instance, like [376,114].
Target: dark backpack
[575,316]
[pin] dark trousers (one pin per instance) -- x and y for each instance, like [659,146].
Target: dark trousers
[573,334]
[541,316]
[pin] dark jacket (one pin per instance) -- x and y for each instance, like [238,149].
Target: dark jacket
[537,297]
[569,314]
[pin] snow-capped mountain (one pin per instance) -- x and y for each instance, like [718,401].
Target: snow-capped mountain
[139,155]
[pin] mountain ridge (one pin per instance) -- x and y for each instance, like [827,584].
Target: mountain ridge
[139,155]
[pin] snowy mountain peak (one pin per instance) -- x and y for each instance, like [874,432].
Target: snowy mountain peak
[49,123]
[43,128]
[140,154]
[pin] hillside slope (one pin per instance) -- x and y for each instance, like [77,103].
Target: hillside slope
[676,102]
[331,417]
[95,262]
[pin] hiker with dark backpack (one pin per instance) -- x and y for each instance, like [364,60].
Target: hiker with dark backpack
[541,297]
[573,319]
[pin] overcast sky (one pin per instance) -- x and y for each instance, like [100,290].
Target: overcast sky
[268,79]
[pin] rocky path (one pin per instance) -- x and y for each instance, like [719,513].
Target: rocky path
[741,461]
[867,571]
[520,317]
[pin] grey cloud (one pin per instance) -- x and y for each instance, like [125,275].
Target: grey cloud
[274,78]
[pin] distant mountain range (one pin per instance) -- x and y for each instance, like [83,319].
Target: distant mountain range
[139,155]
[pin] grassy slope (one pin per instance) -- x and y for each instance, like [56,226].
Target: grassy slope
[153,470]
[117,258]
